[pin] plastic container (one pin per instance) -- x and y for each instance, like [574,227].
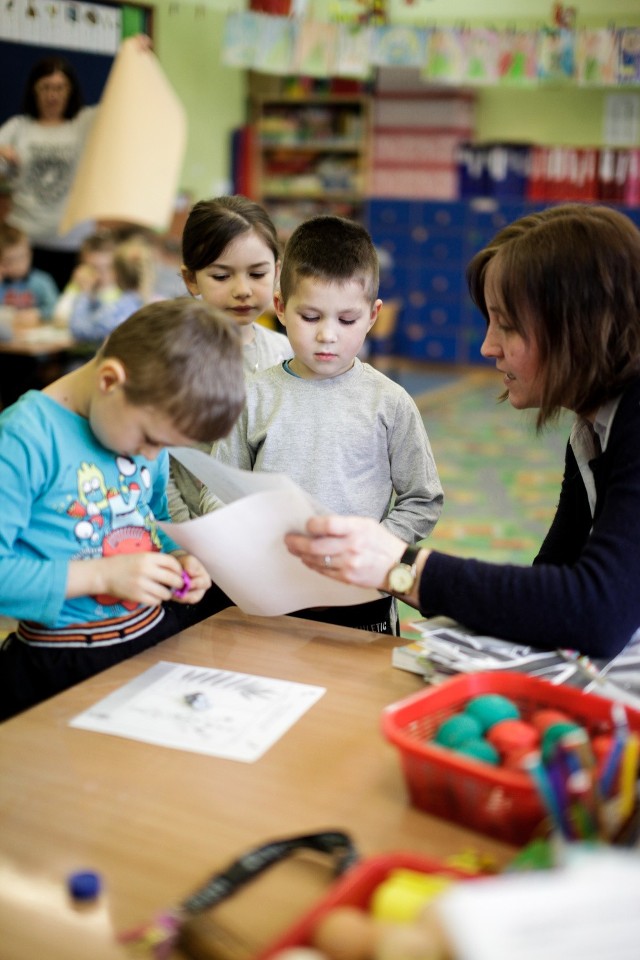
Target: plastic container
[355,889]
[493,800]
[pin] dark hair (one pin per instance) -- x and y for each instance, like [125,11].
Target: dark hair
[44,68]
[213,224]
[10,236]
[97,242]
[569,280]
[332,249]
[185,358]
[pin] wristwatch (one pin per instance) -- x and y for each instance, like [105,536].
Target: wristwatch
[402,576]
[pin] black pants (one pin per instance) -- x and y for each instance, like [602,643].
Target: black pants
[378,616]
[30,674]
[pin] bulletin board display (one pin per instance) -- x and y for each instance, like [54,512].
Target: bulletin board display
[86,34]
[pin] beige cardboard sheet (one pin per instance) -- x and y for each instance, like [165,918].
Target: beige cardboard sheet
[131,164]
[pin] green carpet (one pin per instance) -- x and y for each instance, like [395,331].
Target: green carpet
[501,480]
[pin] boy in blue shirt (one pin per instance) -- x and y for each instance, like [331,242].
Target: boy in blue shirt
[32,293]
[30,296]
[83,565]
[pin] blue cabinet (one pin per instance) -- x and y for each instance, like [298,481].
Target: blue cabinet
[425,247]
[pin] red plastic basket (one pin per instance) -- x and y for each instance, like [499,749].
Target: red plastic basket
[355,889]
[494,800]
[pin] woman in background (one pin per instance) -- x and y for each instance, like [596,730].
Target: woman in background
[41,148]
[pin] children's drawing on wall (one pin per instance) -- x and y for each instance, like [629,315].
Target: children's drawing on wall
[352,55]
[315,48]
[629,55]
[597,57]
[445,56]
[398,47]
[556,54]
[518,57]
[481,52]
[241,38]
[274,51]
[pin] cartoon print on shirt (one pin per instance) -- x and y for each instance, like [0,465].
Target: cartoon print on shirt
[110,520]
[92,500]
[50,173]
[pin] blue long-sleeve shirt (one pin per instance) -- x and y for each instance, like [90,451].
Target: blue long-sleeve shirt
[37,290]
[92,319]
[66,497]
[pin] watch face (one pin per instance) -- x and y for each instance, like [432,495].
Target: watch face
[401,578]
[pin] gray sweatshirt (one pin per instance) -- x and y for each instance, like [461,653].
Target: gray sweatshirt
[355,442]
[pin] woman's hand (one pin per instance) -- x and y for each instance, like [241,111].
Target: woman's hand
[356,550]
[9,154]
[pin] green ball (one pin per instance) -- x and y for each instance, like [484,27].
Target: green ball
[551,736]
[490,708]
[456,729]
[480,749]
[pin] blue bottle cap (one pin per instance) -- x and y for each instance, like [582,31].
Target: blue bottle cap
[84,885]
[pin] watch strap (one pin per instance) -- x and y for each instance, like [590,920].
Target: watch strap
[410,555]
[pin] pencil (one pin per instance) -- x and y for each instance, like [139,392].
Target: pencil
[533,764]
[629,776]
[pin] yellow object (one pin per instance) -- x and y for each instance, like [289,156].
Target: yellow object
[400,898]
[628,776]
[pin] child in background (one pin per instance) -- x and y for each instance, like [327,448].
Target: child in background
[93,320]
[93,275]
[83,565]
[231,259]
[342,430]
[32,293]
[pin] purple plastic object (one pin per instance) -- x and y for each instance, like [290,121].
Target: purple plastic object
[186,586]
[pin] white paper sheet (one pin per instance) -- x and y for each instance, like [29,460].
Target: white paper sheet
[242,543]
[236,716]
[587,911]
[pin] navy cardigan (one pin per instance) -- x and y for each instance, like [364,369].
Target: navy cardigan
[583,590]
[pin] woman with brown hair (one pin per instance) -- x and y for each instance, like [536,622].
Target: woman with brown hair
[560,291]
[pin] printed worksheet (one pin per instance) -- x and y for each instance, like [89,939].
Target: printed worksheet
[236,716]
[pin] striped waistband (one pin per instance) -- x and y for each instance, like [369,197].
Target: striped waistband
[102,633]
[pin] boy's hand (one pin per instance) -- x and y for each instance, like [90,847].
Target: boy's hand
[85,278]
[200,581]
[145,578]
[26,319]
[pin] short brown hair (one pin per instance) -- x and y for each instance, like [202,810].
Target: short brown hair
[331,249]
[185,358]
[11,236]
[98,242]
[569,279]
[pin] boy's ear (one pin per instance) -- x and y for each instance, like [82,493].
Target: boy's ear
[375,310]
[278,304]
[189,278]
[111,375]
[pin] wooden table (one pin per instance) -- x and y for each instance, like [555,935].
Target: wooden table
[45,340]
[156,822]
